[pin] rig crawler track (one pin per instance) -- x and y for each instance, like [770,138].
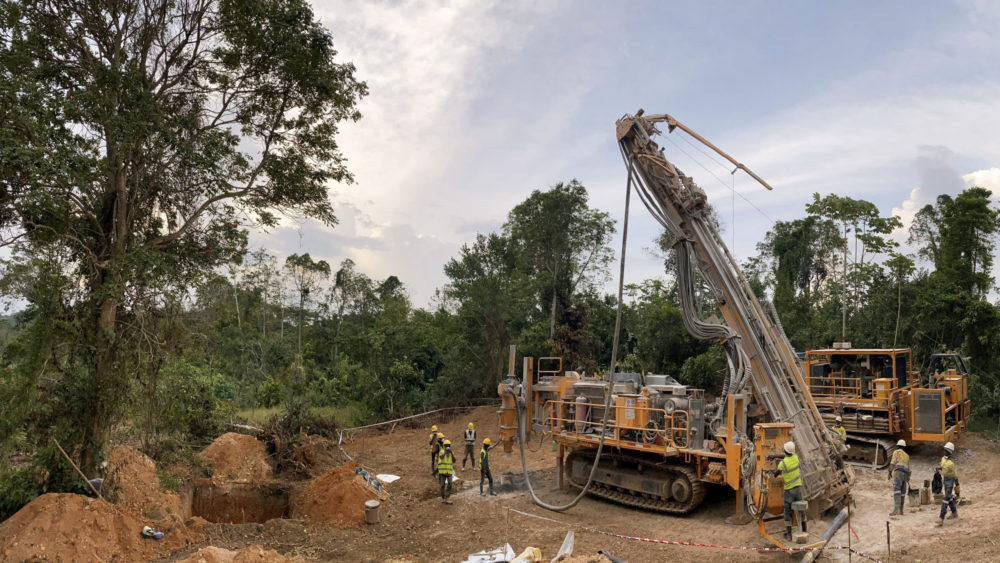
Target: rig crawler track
[635,481]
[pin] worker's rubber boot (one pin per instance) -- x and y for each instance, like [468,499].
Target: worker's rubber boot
[940,522]
[788,533]
[804,526]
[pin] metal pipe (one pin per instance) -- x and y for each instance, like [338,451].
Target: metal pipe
[830,530]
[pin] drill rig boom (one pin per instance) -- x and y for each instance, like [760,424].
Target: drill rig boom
[759,354]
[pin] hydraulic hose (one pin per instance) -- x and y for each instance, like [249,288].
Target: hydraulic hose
[611,383]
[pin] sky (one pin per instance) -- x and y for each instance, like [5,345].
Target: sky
[473,105]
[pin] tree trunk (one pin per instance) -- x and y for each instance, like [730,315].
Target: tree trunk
[899,310]
[552,316]
[103,389]
[843,293]
[236,299]
[302,301]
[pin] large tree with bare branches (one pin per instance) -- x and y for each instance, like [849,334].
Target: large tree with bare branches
[137,139]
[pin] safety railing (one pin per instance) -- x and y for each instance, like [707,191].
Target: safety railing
[830,386]
[648,425]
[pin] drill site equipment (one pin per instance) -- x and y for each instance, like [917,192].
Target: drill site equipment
[665,442]
[881,398]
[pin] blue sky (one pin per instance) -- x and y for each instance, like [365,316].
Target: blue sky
[475,104]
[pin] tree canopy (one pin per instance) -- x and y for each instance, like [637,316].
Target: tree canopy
[137,139]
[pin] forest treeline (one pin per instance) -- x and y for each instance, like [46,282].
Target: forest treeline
[302,333]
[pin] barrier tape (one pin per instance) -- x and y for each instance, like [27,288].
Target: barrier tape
[699,544]
[340,437]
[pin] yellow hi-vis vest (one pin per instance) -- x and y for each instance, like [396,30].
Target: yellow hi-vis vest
[901,460]
[948,468]
[842,431]
[790,471]
[446,463]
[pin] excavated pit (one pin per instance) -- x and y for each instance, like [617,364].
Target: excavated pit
[239,503]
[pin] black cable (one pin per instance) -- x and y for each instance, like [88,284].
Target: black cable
[611,380]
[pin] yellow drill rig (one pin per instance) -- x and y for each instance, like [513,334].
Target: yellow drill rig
[663,443]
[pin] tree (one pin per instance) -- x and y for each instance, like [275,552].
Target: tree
[306,277]
[924,231]
[348,289]
[494,297]
[134,133]
[901,266]
[968,229]
[799,258]
[563,239]
[860,218]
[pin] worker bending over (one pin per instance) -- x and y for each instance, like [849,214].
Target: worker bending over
[899,472]
[445,471]
[470,444]
[789,468]
[484,467]
[434,450]
[947,469]
[838,427]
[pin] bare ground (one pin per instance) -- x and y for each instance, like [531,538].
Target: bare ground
[416,526]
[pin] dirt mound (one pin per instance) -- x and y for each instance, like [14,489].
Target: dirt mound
[68,527]
[336,498]
[252,554]
[238,458]
[132,483]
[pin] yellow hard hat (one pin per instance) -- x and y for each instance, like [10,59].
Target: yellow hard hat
[447,442]
[486,441]
[470,426]
[440,435]
[434,428]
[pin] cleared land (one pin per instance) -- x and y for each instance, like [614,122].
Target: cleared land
[320,501]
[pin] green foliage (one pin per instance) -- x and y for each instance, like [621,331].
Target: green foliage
[706,370]
[18,487]
[190,400]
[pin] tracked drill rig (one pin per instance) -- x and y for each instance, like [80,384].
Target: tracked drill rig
[881,398]
[663,442]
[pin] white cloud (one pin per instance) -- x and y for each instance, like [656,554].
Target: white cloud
[989,179]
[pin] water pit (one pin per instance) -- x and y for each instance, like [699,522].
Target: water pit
[239,503]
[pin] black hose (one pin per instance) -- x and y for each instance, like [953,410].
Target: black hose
[611,382]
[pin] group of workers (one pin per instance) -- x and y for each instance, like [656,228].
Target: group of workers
[443,460]
[899,472]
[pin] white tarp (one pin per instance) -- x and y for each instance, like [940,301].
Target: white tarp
[505,553]
[387,478]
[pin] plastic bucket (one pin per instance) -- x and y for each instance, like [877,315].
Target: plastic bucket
[372,509]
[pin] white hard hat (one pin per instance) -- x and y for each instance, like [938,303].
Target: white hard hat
[901,443]
[950,447]
[790,447]
[838,419]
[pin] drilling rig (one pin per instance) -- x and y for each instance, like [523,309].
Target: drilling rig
[881,398]
[663,442]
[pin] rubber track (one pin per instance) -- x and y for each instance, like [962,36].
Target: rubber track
[643,500]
